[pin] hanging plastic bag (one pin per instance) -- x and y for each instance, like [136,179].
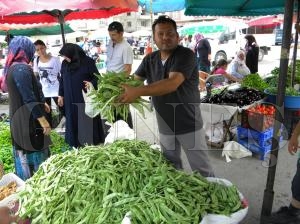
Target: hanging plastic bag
[90,107]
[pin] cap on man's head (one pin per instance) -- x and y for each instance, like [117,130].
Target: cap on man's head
[116,26]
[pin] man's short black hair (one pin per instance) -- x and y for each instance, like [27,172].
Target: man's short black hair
[116,26]
[39,42]
[164,19]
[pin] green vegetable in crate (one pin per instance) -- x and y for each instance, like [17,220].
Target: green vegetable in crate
[100,184]
[6,148]
[289,91]
[254,81]
[6,154]
[109,89]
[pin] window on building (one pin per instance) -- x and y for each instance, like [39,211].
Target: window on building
[129,24]
[128,13]
[143,23]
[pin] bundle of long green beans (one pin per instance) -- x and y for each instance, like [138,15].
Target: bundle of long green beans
[101,184]
[105,97]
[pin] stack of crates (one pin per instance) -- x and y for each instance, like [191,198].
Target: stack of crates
[256,131]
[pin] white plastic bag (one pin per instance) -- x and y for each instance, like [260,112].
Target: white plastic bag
[234,150]
[118,131]
[234,218]
[89,105]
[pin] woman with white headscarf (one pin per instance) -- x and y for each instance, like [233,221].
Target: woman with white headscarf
[238,67]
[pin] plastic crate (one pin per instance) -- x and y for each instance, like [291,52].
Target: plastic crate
[257,142]
[255,148]
[261,138]
[256,121]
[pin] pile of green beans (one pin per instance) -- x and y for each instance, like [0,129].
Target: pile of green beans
[100,184]
[105,97]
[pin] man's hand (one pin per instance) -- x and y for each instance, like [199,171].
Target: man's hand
[129,95]
[293,144]
[60,101]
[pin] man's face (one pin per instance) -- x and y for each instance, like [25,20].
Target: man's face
[165,36]
[115,36]
[40,50]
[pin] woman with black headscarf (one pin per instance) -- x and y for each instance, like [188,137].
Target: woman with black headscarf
[77,69]
[27,109]
[252,52]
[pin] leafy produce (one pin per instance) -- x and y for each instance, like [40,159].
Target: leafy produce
[105,97]
[100,184]
[6,148]
[240,97]
[275,73]
[289,91]
[59,145]
[6,154]
[254,81]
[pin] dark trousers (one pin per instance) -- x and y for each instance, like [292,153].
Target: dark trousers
[296,183]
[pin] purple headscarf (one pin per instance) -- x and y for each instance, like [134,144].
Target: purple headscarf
[198,37]
[20,49]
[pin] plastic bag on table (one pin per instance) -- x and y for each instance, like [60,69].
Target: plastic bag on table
[234,150]
[118,131]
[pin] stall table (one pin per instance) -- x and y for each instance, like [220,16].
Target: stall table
[222,117]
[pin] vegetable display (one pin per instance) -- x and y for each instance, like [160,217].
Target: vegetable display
[100,184]
[6,154]
[105,97]
[6,148]
[289,91]
[240,97]
[254,81]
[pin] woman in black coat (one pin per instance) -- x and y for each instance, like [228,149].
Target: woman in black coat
[77,68]
[252,51]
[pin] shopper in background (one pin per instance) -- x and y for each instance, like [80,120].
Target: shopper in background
[252,52]
[47,69]
[173,80]
[237,67]
[220,69]
[203,52]
[77,71]
[27,109]
[119,58]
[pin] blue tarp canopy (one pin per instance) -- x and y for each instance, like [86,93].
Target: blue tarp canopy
[157,6]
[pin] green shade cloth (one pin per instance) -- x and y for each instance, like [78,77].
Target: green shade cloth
[234,7]
[37,31]
[206,29]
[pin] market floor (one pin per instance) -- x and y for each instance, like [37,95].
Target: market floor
[248,174]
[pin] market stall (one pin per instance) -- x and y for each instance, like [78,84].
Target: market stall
[222,108]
